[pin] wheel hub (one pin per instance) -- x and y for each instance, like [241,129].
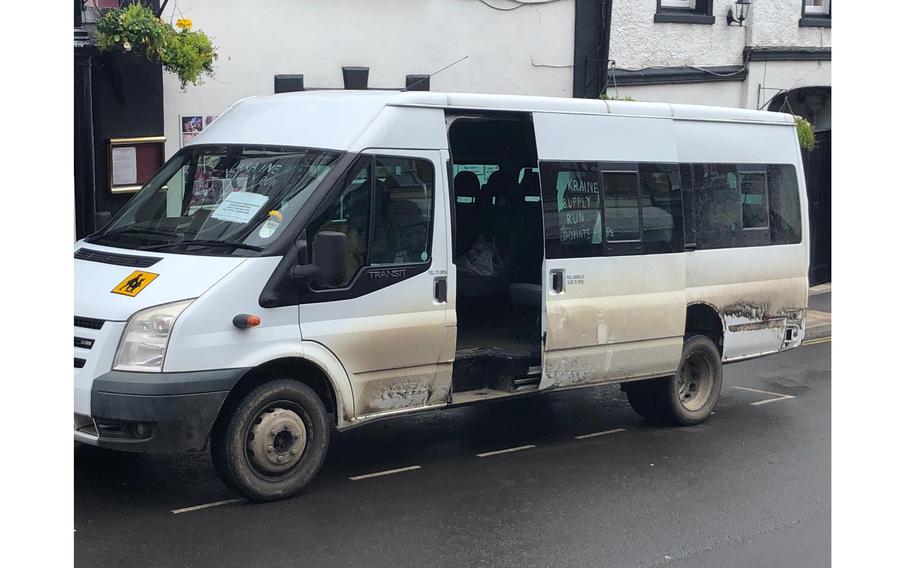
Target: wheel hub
[694,382]
[276,440]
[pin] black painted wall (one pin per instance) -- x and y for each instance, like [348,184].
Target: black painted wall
[592,47]
[115,96]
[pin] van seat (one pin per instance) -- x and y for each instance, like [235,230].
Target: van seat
[467,216]
[525,294]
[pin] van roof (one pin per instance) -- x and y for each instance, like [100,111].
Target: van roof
[524,103]
[336,119]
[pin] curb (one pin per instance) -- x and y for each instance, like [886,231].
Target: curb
[817,332]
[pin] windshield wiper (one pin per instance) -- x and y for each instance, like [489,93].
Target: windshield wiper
[205,243]
[141,231]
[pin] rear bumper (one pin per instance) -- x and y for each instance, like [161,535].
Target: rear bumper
[160,412]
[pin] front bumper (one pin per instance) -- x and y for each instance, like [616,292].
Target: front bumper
[156,412]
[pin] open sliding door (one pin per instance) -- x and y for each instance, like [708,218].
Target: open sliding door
[614,270]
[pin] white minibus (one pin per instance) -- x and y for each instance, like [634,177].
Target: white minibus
[319,260]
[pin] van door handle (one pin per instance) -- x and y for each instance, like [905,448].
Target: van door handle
[558,281]
[440,290]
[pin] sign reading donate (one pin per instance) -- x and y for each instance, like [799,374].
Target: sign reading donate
[578,200]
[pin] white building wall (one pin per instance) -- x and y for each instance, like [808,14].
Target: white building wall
[523,51]
[637,42]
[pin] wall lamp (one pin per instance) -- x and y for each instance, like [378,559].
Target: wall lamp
[738,12]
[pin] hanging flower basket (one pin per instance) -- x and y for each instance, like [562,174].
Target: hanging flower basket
[805,132]
[136,29]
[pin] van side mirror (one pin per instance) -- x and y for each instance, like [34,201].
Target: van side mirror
[329,259]
[330,255]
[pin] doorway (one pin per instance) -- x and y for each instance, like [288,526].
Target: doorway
[498,251]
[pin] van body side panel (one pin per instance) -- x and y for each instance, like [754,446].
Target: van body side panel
[391,340]
[403,127]
[617,317]
[759,291]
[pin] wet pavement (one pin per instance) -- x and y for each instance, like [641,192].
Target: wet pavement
[589,484]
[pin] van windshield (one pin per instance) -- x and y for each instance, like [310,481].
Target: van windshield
[219,199]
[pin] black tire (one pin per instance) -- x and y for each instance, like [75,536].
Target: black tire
[278,463]
[642,399]
[688,397]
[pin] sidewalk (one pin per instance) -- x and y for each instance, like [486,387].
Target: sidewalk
[818,320]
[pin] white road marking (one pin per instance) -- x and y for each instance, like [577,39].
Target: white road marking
[817,341]
[595,434]
[386,472]
[506,451]
[777,396]
[206,506]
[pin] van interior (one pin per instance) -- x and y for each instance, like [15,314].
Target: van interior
[498,255]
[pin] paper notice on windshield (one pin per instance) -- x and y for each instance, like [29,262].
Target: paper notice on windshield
[239,207]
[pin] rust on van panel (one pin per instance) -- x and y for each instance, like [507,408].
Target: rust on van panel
[397,389]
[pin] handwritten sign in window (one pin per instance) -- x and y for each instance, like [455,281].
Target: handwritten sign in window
[578,202]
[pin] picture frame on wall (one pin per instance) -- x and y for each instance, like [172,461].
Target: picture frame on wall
[133,161]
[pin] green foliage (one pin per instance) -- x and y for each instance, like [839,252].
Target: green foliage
[805,132]
[606,97]
[135,28]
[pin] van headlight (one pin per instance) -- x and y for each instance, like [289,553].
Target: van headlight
[144,341]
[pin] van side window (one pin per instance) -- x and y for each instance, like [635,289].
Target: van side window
[385,207]
[754,199]
[783,196]
[349,213]
[622,215]
[572,196]
[716,205]
[402,204]
[661,208]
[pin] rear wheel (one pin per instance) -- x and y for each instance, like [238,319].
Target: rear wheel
[689,396]
[273,441]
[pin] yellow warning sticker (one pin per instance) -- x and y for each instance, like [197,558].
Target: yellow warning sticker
[134,283]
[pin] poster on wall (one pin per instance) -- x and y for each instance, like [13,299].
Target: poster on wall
[193,124]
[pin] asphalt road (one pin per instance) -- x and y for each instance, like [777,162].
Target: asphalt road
[751,487]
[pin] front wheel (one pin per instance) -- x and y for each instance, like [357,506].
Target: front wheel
[688,397]
[273,442]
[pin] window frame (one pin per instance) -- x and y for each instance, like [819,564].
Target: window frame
[697,12]
[812,17]
[359,284]
[623,247]
[752,169]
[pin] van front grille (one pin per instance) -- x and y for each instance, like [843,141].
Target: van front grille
[89,323]
[83,343]
[78,363]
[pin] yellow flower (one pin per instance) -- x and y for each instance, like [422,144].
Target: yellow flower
[184,23]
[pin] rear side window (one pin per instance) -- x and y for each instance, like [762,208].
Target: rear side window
[716,205]
[754,199]
[783,196]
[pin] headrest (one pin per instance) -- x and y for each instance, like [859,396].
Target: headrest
[496,183]
[466,184]
[530,184]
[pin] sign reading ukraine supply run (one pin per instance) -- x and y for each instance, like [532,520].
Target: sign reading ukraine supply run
[578,204]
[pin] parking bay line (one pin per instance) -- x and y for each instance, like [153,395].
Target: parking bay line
[505,451]
[817,341]
[386,472]
[595,434]
[206,506]
[777,396]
